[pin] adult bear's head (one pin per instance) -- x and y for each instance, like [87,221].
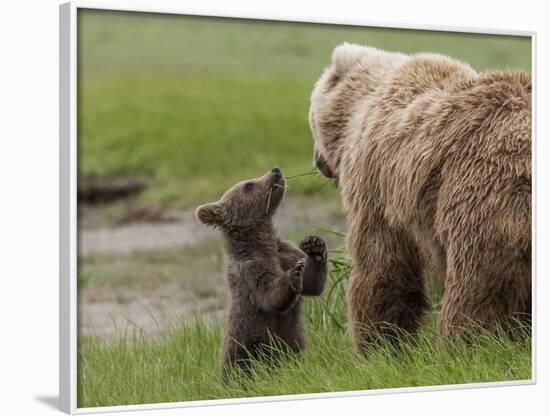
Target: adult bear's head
[355,72]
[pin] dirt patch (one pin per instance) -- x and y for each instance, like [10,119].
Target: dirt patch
[180,227]
[146,213]
[137,236]
[149,274]
[104,313]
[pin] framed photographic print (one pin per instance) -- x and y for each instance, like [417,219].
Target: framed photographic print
[256,208]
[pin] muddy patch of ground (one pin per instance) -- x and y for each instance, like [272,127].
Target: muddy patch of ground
[150,272]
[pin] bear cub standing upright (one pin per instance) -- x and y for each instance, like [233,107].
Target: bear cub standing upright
[267,276]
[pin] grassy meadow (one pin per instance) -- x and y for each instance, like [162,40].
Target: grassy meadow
[183,363]
[195,105]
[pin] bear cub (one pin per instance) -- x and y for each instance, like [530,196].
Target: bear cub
[267,276]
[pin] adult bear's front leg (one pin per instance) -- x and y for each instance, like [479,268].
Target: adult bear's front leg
[386,291]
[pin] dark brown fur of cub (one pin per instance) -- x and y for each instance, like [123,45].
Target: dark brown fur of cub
[267,276]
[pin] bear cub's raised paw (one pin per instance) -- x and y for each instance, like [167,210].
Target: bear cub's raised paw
[314,246]
[297,275]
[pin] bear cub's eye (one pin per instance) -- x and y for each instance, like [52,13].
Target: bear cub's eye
[248,186]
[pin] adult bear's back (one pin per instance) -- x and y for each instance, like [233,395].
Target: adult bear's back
[487,167]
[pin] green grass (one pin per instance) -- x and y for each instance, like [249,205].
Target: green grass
[197,104]
[182,363]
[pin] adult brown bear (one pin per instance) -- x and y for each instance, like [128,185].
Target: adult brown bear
[434,162]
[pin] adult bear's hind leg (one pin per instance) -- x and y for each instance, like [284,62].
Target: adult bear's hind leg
[488,286]
[387,289]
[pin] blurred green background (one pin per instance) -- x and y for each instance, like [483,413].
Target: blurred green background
[196,104]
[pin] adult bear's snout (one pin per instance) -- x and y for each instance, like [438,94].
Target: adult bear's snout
[322,166]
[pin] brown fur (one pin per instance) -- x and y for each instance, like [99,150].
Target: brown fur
[434,162]
[267,276]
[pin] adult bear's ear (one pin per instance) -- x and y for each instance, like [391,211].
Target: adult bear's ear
[346,56]
[210,214]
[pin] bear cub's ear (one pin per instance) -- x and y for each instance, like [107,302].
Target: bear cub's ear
[210,214]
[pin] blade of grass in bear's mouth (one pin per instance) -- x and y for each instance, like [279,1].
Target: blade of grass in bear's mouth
[313,172]
[268,200]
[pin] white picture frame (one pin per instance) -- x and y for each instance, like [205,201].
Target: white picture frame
[68,236]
